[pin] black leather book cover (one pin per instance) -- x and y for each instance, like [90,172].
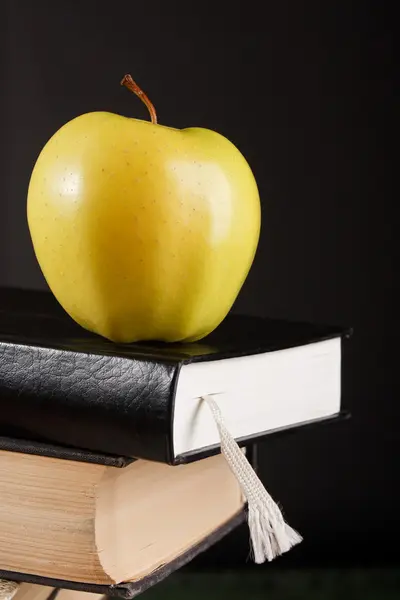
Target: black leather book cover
[62,452]
[62,385]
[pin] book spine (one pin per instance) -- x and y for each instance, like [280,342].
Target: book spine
[102,403]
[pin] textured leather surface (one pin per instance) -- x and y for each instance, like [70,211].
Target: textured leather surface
[106,403]
[61,384]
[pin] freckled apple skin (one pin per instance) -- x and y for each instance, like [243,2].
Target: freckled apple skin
[143,232]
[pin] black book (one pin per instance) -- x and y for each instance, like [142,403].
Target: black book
[60,384]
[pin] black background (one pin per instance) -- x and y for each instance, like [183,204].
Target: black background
[305,90]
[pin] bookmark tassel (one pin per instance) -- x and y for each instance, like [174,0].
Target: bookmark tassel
[7,589]
[270,535]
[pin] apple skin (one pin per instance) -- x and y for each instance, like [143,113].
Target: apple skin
[143,232]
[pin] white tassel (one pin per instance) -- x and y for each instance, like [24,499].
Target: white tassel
[8,589]
[270,535]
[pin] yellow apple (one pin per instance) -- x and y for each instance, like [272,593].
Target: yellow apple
[143,232]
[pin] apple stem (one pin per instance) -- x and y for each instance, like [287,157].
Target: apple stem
[132,86]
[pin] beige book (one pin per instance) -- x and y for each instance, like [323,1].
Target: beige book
[94,524]
[29,591]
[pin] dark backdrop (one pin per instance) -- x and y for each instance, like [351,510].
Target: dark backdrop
[304,89]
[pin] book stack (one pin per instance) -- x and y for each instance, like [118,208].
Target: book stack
[111,471]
